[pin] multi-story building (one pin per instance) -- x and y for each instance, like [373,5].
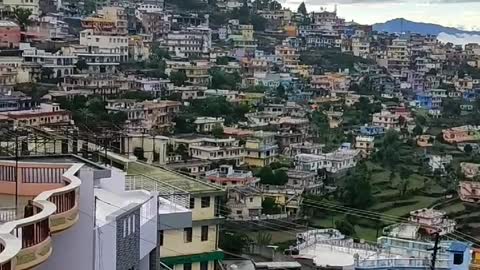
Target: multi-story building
[154,86]
[365,144]
[78,203]
[287,55]
[147,115]
[386,119]
[225,175]
[196,72]
[43,115]
[61,63]
[109,20]
[432,221]
[245,202]
[207,124]
[184,243]
[9,35]
[98,60]
[398,55]
[189,42]
[139,47]
[333,162]
[331,82]
[32,5]
[261,149]
[308,181]
[213,149]
[106,43]
[106,85]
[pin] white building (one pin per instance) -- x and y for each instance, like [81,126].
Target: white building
[61,62]
[115,44]
[386,120]
[191,41]
[333,162]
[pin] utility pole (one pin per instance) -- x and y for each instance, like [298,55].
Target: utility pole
[435,250]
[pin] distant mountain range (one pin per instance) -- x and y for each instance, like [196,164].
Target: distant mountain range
[403,25]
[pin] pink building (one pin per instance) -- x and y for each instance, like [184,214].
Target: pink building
[432,220]
[227,176]
[469,191]
[9,34]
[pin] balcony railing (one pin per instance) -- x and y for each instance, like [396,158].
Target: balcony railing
[26,242]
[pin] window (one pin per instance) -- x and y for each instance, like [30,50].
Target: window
[251,199]
[204,266]
[187,266]
[192,203]
[160,237]
[187,235]
[458,258]
[205,202]
[204,236]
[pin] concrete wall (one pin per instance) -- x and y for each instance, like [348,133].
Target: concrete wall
[178,220]
[149,145]
[74,247]
[128,241]
[174,243]
[105,246]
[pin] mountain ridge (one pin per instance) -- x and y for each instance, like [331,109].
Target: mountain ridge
[403,25]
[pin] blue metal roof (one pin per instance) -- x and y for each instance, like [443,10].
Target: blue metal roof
[457,247]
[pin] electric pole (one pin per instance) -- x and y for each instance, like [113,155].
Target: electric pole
[435,250]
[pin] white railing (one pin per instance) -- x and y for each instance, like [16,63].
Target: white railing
[41,223]
[402,263]
[164,190]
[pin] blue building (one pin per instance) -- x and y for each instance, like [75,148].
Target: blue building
[372,131]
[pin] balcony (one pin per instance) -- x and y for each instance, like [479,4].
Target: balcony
[27,242]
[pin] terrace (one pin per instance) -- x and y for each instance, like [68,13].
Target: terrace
[27,242]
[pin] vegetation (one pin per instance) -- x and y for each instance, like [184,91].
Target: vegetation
[22,17]
[269,177]
[270,207]
[330,59]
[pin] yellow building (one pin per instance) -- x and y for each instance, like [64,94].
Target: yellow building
[261,149]
[193,246]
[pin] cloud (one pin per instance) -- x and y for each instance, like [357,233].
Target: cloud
[459,39]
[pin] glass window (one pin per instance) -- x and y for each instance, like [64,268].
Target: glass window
[187,235]
[160,237]
[204,233]
[192,203]
[187,266]
[205,202]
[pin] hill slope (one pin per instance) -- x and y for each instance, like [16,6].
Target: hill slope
[403,25]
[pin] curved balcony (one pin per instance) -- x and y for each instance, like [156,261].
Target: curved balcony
[27,242]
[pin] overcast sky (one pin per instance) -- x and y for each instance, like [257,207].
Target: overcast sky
[464,14]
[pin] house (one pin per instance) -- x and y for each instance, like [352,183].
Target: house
[432,221]
[470,170]
[261,149]
[245,202]
[305,148]
[365,144]
[439,162]
[333,162]
[9,35]
[225,175]
[189,42]
[196,72]
[207,124]
[146,115]
[308,181]
[386,119]
[469,191]
[461,134]
[45,114]
[213,149]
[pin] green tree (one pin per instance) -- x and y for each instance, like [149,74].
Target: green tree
[281,177]
[345,227]
[357,191]
[418,130]
[223,80]
[217,131]
[468,149]
[22,16]
[47,73]
[270,207]
[280,91]
[263,238]
[178,78]
[182,150]
[234,242]
[267,177]
[302,9]
[81,65]
[223,60]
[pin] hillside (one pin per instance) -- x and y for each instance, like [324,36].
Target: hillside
[403,25]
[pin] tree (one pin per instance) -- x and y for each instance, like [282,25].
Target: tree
[302,9]
[345,228]
[47,73]
[182,151]
[223,60]
[81,65]
[418,130]
[263,238]
[139,153]
[178,78]
[281,178]
[270,207]
[233,242]
[267,177]
[468,149]
[280,91]
[357,190]
[217,131]
[22,16]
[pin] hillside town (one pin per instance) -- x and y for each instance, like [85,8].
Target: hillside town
[233,135]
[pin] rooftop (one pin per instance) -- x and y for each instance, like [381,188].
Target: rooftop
[172,178]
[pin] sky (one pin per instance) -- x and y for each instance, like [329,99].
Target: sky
[463,14]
